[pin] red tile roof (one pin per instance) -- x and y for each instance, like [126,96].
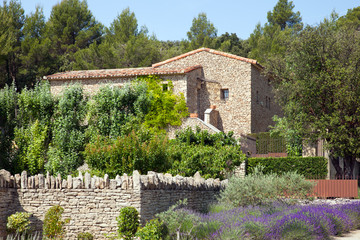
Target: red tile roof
[248,60]
[121,72]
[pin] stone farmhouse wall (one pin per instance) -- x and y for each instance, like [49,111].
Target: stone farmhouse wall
[93,203]
[241,78]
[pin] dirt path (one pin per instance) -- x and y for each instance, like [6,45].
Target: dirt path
[355,235]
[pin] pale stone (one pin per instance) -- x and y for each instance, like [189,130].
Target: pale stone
[118,181]
[101,183]
[64,183]
[41,181]
[58,178]
[106,181]
[77,183]
[125,181]
[112,184]
[87,180]
[18,180]
[24,179]
[136,179]
[52,181]
[36,181]
[4,178]
[97,182]
[93,180]
[69,182]
[12,181]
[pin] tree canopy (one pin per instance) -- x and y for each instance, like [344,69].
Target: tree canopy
[318,87]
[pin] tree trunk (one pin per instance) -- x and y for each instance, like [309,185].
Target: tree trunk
[335,162]
[349,163]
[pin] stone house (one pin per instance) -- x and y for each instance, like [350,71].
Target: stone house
[223,92]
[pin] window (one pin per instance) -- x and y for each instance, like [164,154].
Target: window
[224,94]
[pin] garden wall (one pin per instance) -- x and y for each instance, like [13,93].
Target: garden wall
[93,204]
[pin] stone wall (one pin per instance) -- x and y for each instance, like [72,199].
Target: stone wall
[93,203]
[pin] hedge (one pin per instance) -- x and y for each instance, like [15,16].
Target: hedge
[310,167]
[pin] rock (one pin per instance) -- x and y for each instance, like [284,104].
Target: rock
[87,180]
[48,181]
[64,183]
[113,184]
[18,180]
[52,181]
[59,181]
[136,180]
[41,181]
[69,182]
[36,178]
[93,180]
[24,179]
[118,181]
[77,183]
[125,181]
[4,178]
[106,181]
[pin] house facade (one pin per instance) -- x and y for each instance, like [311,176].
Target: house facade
[223,91]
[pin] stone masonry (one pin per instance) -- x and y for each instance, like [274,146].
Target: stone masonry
[93,203]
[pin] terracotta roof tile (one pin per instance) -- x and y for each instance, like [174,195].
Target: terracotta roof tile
[121,72]
[248,60]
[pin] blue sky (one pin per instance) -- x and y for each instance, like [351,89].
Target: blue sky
[170,20]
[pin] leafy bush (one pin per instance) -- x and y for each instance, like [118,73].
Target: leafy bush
[128,222]
[153,230]
[31,148]
[68,132]
[258,188]
[18,222]
[128,153]
[179,221]
[310,167]
[8,99]
[53,227]
[85,236]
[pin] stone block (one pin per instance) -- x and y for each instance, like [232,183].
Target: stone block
[41,181]
[69,182]
[24,179]
[87,182]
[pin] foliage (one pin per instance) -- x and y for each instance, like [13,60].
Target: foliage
[202,32]
[8,99]
[85,236]
[136,151]
[273,38]
[351,19]
[267,142]
[213,155]
[117,111]
[232,44]
[317,84]
[310,167]
[18,222]
[291,135]
[153,230]
[258,188]
[283,15]
[128,222]
[53,227]
[31,148]
[68,133]
[179,221]
[166,108]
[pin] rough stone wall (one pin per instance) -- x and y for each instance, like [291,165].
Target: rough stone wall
[192,123]
[263,103]
[93,203]
[91,86]
[223,73]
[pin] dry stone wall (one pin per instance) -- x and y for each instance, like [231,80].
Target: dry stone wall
[93,203]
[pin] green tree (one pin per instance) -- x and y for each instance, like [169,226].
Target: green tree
[283,15]
[318,87]
[274,37]
[232,44]
[202,32]
[71,27]
[12,20]
[124,27]
[351,18]
[68,138]
[35,57]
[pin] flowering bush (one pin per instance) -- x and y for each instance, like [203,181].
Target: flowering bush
[275,221]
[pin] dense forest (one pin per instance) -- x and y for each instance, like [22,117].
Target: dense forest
[315,71]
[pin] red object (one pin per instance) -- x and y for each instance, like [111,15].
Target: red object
[336,188]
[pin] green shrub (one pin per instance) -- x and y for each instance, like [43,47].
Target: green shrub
[258,188]
[53,227]
[310,167]
[128,222]
[85,236]
[18,222]
[153,230]
[128,153]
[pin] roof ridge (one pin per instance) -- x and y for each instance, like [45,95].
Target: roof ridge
[217,52]
[119,72]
